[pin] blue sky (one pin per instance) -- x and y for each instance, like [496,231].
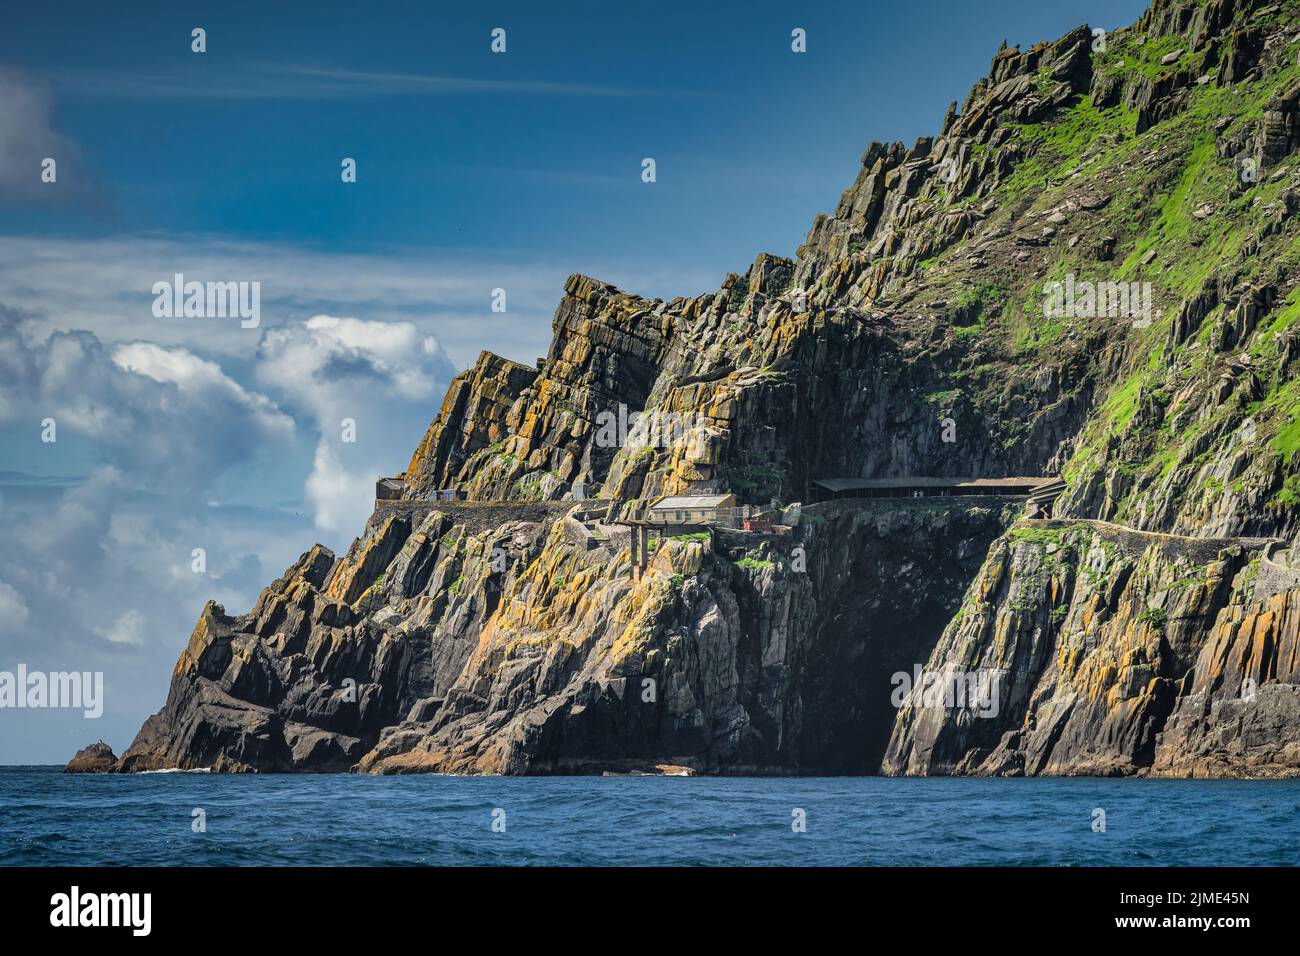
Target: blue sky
[534,153]
[474,171]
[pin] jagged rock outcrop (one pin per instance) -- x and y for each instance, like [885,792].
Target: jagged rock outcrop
[336,650]
[97,758]
[1239,712]
[1090,272]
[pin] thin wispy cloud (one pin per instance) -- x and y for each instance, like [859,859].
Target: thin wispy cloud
[105,286]
[308,82]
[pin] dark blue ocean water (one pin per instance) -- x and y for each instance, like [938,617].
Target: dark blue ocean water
[49,818]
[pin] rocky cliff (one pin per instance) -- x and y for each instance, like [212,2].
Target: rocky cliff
[1090,271]
[506,639]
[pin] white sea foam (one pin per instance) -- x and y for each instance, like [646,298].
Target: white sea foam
[179,770]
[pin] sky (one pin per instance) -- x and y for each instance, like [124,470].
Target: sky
[475,171]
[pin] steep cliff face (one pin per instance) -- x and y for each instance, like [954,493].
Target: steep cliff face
[1239,710]
[336,650]
[842,362]
[512,641]
[1090,271]
[1181,663]
[1090,634]
[723,657]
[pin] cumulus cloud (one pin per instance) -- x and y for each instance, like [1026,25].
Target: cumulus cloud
[163,416]
[320,359]
[96,570]
[98,574]
[70,538]
[200,381]
[378,383]
[341,499]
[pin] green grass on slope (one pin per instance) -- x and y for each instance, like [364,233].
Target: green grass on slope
[1153,211]
[1176,203]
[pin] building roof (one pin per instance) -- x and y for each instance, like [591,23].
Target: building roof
[685,502]
[849,484]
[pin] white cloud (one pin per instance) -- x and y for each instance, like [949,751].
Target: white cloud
[104,286]
[311,364]
[386,377]
[199,379]
[127,629]
[163,417]
[341,499]
[13,609]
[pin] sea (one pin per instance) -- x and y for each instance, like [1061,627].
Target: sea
[49,818]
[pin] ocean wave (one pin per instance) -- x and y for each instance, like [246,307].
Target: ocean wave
[144,773]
